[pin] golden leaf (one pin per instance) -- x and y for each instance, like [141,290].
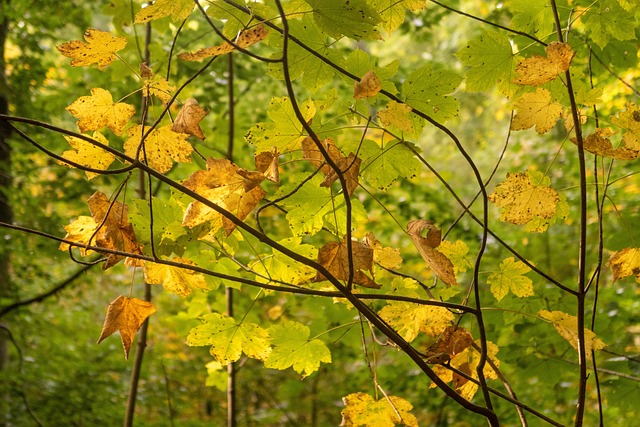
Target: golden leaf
[362,409]
[158,87]
[629,121]
[126,315]
[436,260]
[397,115]
[101,48]
[161,147]
[386,257]
[567,327]
[86,154]
[624,263]
[267,163]
[188,119]
[80,231]
[99,110]
[368,86]
[408,319]
[245,39]
[598,143]
[538,70]
[311,152]
[536,109]
[510,277]
[174,279]
[176,9]
[452,341]
[334,257]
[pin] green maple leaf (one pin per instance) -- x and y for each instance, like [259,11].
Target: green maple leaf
[308,206]
[291,347]
[285,132]
[350,18]
[229,339]
[382,166]
[392,12]
[429,91]
[511,277]
[492,62]
[531,16]
[278,266]
[168,232]
[608,20]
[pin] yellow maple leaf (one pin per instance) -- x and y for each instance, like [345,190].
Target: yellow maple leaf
[386,257]
[221,184]
[598,143]
[397,115]
[427,247]
[629,121]
[567,327]
[101,48]
[409,319]
[174,279]
[538,70]
[525,197]
[625,263]
[457,253]
[161,147]
[368,86]
[176,9]
[362,409]
[510,277]
[99,110]
[86,154]
[158,87]
[81,231]
[536,109]
[245,39]
[188,119]
[334,257]
[126,315]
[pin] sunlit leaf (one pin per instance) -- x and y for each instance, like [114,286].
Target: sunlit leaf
[291,347]
[538,70]
[354,18]
[625,263]
[86,154]
[409,319]
[567,327]
[158,87]
[188,119]
[99,110]
[510,277]
[335,257]
[245,39]
[177,9]
[536,109]
[368,86]
[363,410]
[629,122]
[598,143]
[161,147]
[174,279]
[100,48]
[430,91]
[397,115]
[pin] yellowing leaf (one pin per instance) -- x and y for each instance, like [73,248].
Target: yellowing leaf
[158,87]
[311,152]
[524,197]
[126,315]
[80,231]
[349,168]
[536,109]
[510,276]
[229,339]
[177,9]
[408,319]
[436,260]
[334,257]
[397,115]
[99,110]
[279,267]
[267,163]
[174,279]
[291,347]
[452,341]
[368,86]
[629,121]
[598,143]
[624,263]
[161,147]
[567,327]
[245,39]
[101,48]
[363,410]
[457,254]
[538,70]
[188,119]
[86,154]
[386,257]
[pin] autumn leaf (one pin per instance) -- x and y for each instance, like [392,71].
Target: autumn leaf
[538,70]
[280,267]
[457,252]
[567,327]
[126,315]
[178,10]
[349,168]
[221,184]
[524,197]
[101,48]
[86,154]
[174,279]
[362,409]
[629,122]
[334,257]
[229,339]
[267,162]
[388,258]
[625,263]
[81,231]
[368,86]
[291,347]
[510,276]
[161,147]
[99,110]
[409,319]
[599,144]
[397,115]
[188,119]
[452,341]
[311,152]
[244,40]
[158,87]
[536,109]
[436,260]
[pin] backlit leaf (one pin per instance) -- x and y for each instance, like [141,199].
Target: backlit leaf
[452,341]
[606,20]
[457,253]
[363,410]
[81,231]
[510,276]
[429,91]
[427,247]
[383,165]
[624,263]
[126,315]
[100,48]
[598,143]
[245,39]
[409,319]
[397,115]
[392,12]
[386,257]
[629,122]
[174,279]
[334,257]
[99,110]
[177,9]
[536,109]
[350,169]
[291,347]
[278,266]
[538,70]
[368,86]
[229,339]
[188,119]
[161,147]
[87,154]
[567,327]
[354,18]
[158,87]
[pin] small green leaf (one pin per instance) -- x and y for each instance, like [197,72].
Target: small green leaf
[386,164]
[308,206]
[291,347]
[608,20]
[428,90]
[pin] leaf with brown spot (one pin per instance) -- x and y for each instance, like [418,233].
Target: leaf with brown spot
[368,86]
[162,147]
[625,263]
[599,144]
[629,122]
[311,152]
[99,110]
[350,168]
[538,70]
[86,154]
[245,39]
[126,315]
[452,341]
[536,109]
[362,409]
[100,48]
[158,87]
[189,118]
[436,260]
[334,257]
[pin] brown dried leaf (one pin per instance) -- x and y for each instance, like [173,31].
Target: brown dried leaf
[188,119]
[126,315]
[334,257]
[453,340]
[438,262]
[598,143]
[350,168]
[267,163]
[538,70]
[245,39]
[311,152]
[624,263]
[368,86]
